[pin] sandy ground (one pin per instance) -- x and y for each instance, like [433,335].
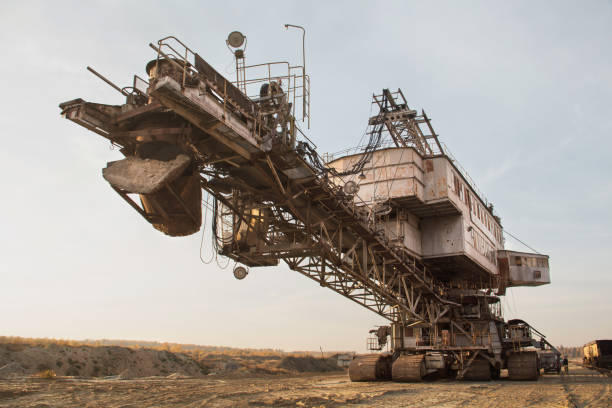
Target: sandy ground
[582,388]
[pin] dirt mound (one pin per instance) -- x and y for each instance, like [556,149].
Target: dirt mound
[103,361]
[309,364]
[11,370]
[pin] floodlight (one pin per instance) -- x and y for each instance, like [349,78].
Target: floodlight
[240,272]
[235,39]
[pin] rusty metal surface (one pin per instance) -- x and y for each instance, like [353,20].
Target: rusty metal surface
[371,367]
[144,176]
[598,353]
[222,85]
[409,368]
[479,370]
[523,365]
[524,269]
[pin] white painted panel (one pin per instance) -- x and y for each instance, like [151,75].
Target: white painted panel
[442,235]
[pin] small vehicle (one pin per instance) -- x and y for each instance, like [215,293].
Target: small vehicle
[550,361]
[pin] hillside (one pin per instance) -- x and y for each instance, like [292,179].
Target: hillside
[19,356]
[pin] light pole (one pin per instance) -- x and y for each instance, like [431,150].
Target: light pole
[303,66]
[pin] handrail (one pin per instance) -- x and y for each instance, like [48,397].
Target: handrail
[308,139]
[465,174]
[174,54]
[169,51]
[292,85]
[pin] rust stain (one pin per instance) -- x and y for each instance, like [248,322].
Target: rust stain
[429,166]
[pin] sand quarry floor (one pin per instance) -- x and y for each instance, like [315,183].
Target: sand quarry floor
[582,388]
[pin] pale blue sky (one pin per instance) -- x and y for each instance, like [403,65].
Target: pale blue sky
[520,91]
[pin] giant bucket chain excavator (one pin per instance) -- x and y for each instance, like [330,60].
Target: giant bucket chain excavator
[395,225]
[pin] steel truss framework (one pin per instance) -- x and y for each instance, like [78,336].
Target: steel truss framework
[380,277]
[360,274]
[404,124]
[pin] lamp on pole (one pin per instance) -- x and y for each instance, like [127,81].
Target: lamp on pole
[303,65]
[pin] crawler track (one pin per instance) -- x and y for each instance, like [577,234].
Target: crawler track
[480,370]
[371,367]
[523,366]
[409,368]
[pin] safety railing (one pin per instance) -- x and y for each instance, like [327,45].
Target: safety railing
[176,53]
[246,89]
[465,174]
[140,85]
[292,80]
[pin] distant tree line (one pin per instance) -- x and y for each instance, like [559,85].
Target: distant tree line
[571,351]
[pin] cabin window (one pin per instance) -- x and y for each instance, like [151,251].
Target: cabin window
[537,275]
[457,185]
[517,260]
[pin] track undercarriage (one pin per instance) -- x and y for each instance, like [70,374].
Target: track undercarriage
[523,365]
[515,351]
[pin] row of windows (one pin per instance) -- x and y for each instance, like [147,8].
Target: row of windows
[530,261]
[477,209]
[483,246]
